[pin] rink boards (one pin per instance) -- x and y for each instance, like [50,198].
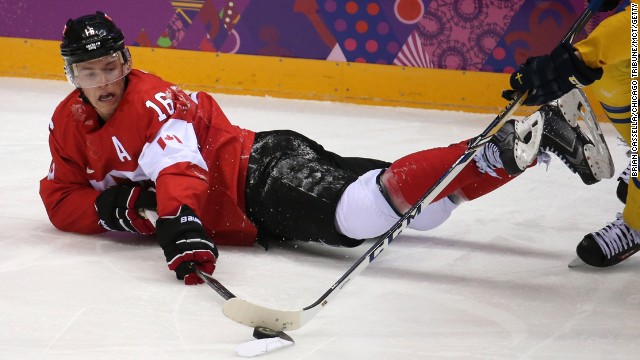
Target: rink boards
[370,84]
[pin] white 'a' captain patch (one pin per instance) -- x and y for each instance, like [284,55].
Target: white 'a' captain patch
[120,150]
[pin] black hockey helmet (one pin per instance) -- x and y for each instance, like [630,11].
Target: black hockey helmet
[90,37]
[93,37]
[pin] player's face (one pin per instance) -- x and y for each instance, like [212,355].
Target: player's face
[107,80]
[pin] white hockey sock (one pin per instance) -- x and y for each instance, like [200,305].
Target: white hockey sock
[433,215]
[363,212]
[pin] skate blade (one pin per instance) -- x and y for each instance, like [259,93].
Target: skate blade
[577,262]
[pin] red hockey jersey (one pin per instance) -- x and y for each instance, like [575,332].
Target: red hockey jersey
[181,144]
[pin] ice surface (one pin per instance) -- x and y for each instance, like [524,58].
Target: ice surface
[491,283]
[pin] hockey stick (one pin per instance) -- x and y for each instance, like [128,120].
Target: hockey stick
[250,314]
[253,315]
[214,284]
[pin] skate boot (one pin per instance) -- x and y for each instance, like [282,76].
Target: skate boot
[609,245]
[623,184]
[514,147]
[588,156]
[567,142]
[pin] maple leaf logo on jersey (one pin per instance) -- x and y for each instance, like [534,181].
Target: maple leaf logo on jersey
[162,141]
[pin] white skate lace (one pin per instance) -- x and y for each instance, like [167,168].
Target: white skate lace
[544,159]
[549,149]
[624,176]
[488,159]
[616,237]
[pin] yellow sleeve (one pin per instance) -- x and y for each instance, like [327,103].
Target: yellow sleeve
[609,42]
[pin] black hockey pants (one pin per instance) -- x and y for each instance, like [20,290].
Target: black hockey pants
[294,185]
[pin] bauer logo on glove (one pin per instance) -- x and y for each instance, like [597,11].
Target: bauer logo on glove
[184,219]
[186,245]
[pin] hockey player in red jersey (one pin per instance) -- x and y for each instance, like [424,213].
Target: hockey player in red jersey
[126,145]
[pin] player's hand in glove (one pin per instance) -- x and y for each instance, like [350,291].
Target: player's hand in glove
[186,244]
[118,208]
[548,77]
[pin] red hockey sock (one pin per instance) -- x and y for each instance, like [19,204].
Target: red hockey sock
[409,177]
[484,185]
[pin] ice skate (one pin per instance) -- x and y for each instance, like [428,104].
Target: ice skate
[553,128]
[588,156]
[609,245]
[514,147]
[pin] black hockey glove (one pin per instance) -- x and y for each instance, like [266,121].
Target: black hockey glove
[118,208]
[548,77]
[186,244]
[608,5]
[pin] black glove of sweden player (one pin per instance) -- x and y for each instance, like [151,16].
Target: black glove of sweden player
[186,244]
[548,77]
[118,208]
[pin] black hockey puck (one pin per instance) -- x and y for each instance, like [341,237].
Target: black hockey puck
[261,332]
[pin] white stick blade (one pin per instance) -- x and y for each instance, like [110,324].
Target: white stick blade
[252,315]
